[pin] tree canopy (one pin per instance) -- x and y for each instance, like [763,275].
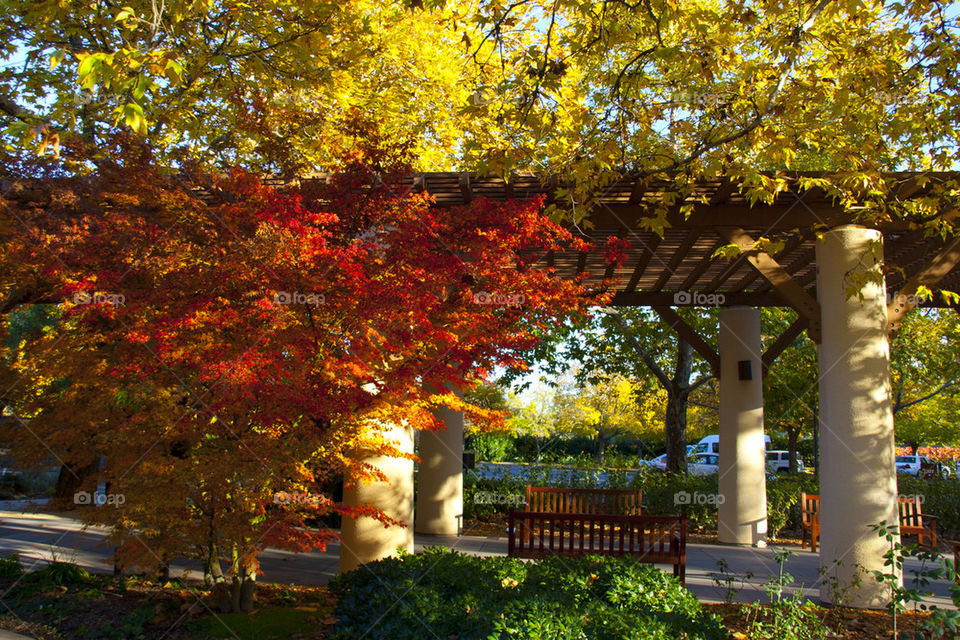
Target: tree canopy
[205,351]
[586,91]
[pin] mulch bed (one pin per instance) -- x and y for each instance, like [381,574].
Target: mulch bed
[102,609]
[844,624]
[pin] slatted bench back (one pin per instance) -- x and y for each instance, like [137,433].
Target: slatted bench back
[911,513]
[594,501]
[809,508]
[652,539]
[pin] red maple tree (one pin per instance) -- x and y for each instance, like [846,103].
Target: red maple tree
[217,347]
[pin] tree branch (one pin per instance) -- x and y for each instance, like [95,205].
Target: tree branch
[645,355]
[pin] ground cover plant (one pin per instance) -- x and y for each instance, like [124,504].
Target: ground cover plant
[445,594]
[62,601]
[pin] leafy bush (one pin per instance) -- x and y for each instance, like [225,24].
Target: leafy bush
[59,574]
[491,447]
[940,498]
[10,567]
[783,501]
[444,594]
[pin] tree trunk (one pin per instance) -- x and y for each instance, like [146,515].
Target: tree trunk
[238,596]
[248,586]
[793,434]
[675,424]
[71,478]
[678,393]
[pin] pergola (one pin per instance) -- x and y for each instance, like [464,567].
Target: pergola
[819,256]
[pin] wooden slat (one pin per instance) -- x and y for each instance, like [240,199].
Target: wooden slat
[649,251]
[941,264]
[690,281]
[676,259]
[465,191]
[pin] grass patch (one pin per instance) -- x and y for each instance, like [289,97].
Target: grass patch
[271,623]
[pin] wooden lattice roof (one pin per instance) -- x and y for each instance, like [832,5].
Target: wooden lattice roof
[658,268]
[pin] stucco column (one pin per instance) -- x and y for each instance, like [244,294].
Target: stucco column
[742,502]
[365,539]
[440,478]
[858,481]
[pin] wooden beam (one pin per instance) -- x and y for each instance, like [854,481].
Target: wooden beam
[723,192]
[690,336]
[779,278]
[792,244]
[783,341]
[667,298]
[799,263]
[639,188]
[465,189]
[649,250]
[905,300]
[727,273]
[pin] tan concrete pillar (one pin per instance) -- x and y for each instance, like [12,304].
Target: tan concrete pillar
[858,480]
[742,502]
[365,539]
[440,477]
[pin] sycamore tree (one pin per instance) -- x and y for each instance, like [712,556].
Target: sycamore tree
[607,406]
[220,357]
[583,91]
[534,413]
[791,387]
[273,85]
[634,343]
[925,377]
[692,90]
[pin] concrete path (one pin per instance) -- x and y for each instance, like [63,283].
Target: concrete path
[41,537]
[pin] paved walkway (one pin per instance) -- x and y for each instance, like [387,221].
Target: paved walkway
[42,537]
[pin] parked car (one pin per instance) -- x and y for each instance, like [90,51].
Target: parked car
[711,444]
[922,466]
[660,462]
[909,465]
[779,460]
[703,464]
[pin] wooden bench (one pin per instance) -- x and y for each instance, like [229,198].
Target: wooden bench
[912,520]
[627,502]
[651,539]
[809,520]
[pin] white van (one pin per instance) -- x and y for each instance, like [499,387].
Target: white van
[711,444]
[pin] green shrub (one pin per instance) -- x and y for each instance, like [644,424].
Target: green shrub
[491,447]
[444,594]
[59,574]
[783,501]
[940,498]
[10,567]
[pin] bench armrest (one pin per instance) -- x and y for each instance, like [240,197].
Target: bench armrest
[929,517]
